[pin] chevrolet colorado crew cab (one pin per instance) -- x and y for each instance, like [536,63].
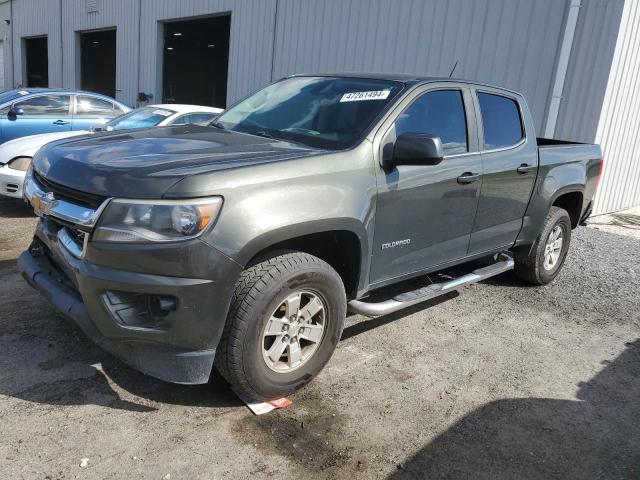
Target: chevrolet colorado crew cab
[244,243]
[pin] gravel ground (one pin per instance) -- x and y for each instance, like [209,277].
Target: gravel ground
[500,381]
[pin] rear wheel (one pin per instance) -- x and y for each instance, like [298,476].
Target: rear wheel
[286,318]
[542,263]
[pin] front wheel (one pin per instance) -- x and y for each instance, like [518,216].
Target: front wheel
[542,263]
[286,318]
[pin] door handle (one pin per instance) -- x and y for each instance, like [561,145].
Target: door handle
[468,177]
[525,168]
[60,122]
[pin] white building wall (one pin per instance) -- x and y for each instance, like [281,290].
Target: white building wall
[5,35]
[512,43]
[619,126]
[123,15]
[34,18]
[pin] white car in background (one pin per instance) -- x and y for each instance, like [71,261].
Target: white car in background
[15,155]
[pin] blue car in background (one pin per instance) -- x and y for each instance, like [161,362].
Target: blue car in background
[30,111]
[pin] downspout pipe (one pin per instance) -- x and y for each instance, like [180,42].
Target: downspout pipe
[561,68]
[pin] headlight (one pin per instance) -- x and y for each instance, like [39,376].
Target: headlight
[156,221]
[20,163]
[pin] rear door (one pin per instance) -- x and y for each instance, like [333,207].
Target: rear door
[41,114]
[92,111]
[424,214]
[509,156]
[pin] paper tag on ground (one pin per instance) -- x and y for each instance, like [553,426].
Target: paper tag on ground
[362,96]
[260,408]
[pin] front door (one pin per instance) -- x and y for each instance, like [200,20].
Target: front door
[425,214]
[40,114]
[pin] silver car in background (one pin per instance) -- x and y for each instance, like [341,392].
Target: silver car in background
[16,155]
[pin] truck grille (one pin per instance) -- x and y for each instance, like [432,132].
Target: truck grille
[75,196]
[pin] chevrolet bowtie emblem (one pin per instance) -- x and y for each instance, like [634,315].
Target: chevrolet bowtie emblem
[42,204]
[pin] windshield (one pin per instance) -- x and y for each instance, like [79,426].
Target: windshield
[11,95]
[140,118]
[323,112]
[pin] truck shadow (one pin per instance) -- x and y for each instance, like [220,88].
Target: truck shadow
[48,360]
[15,208]
[371,323]
[97,378]
[597,436]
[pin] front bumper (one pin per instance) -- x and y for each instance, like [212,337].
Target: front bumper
[11,182]
[179,347]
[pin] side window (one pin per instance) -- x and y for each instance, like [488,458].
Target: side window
[93,107]
[202,118]
[181,120]
[501,121]
[117,110]
[46,105]
[194,118]
[439,113]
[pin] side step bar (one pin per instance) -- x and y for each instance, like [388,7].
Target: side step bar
[404,300]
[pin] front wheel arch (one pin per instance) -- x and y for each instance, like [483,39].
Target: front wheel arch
[344,247]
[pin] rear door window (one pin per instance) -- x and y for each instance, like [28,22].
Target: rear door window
[57,105]
[141,118]
[87,106]
[501,121]
[438,113]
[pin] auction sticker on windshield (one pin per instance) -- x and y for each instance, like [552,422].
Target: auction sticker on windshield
[361,96]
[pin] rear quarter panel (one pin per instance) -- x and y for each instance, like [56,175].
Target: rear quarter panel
[562,169]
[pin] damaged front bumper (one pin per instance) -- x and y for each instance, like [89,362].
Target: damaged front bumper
[165,326]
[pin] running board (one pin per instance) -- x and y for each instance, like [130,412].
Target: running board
[404,300]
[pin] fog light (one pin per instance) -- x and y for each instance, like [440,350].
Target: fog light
[161,305]
[140,310]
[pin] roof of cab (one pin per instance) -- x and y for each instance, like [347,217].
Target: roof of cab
[406,78]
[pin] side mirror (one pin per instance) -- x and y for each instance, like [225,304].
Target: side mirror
[417,149]
[15,111]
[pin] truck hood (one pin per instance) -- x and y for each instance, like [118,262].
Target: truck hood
[145,163]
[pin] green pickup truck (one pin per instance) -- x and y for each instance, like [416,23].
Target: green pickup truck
[244,243]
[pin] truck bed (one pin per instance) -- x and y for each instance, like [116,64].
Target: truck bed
[552,142]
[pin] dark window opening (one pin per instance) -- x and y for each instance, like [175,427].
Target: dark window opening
[37,62]
[98,62]
[501,121]
[196,58]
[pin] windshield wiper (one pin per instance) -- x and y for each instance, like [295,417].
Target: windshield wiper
[262,133]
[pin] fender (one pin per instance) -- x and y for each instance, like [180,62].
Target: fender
[536,214]
[290,232]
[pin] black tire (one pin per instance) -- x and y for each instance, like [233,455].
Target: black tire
[259,291]
[529,262]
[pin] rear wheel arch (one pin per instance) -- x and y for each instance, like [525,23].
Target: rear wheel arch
[570,201]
